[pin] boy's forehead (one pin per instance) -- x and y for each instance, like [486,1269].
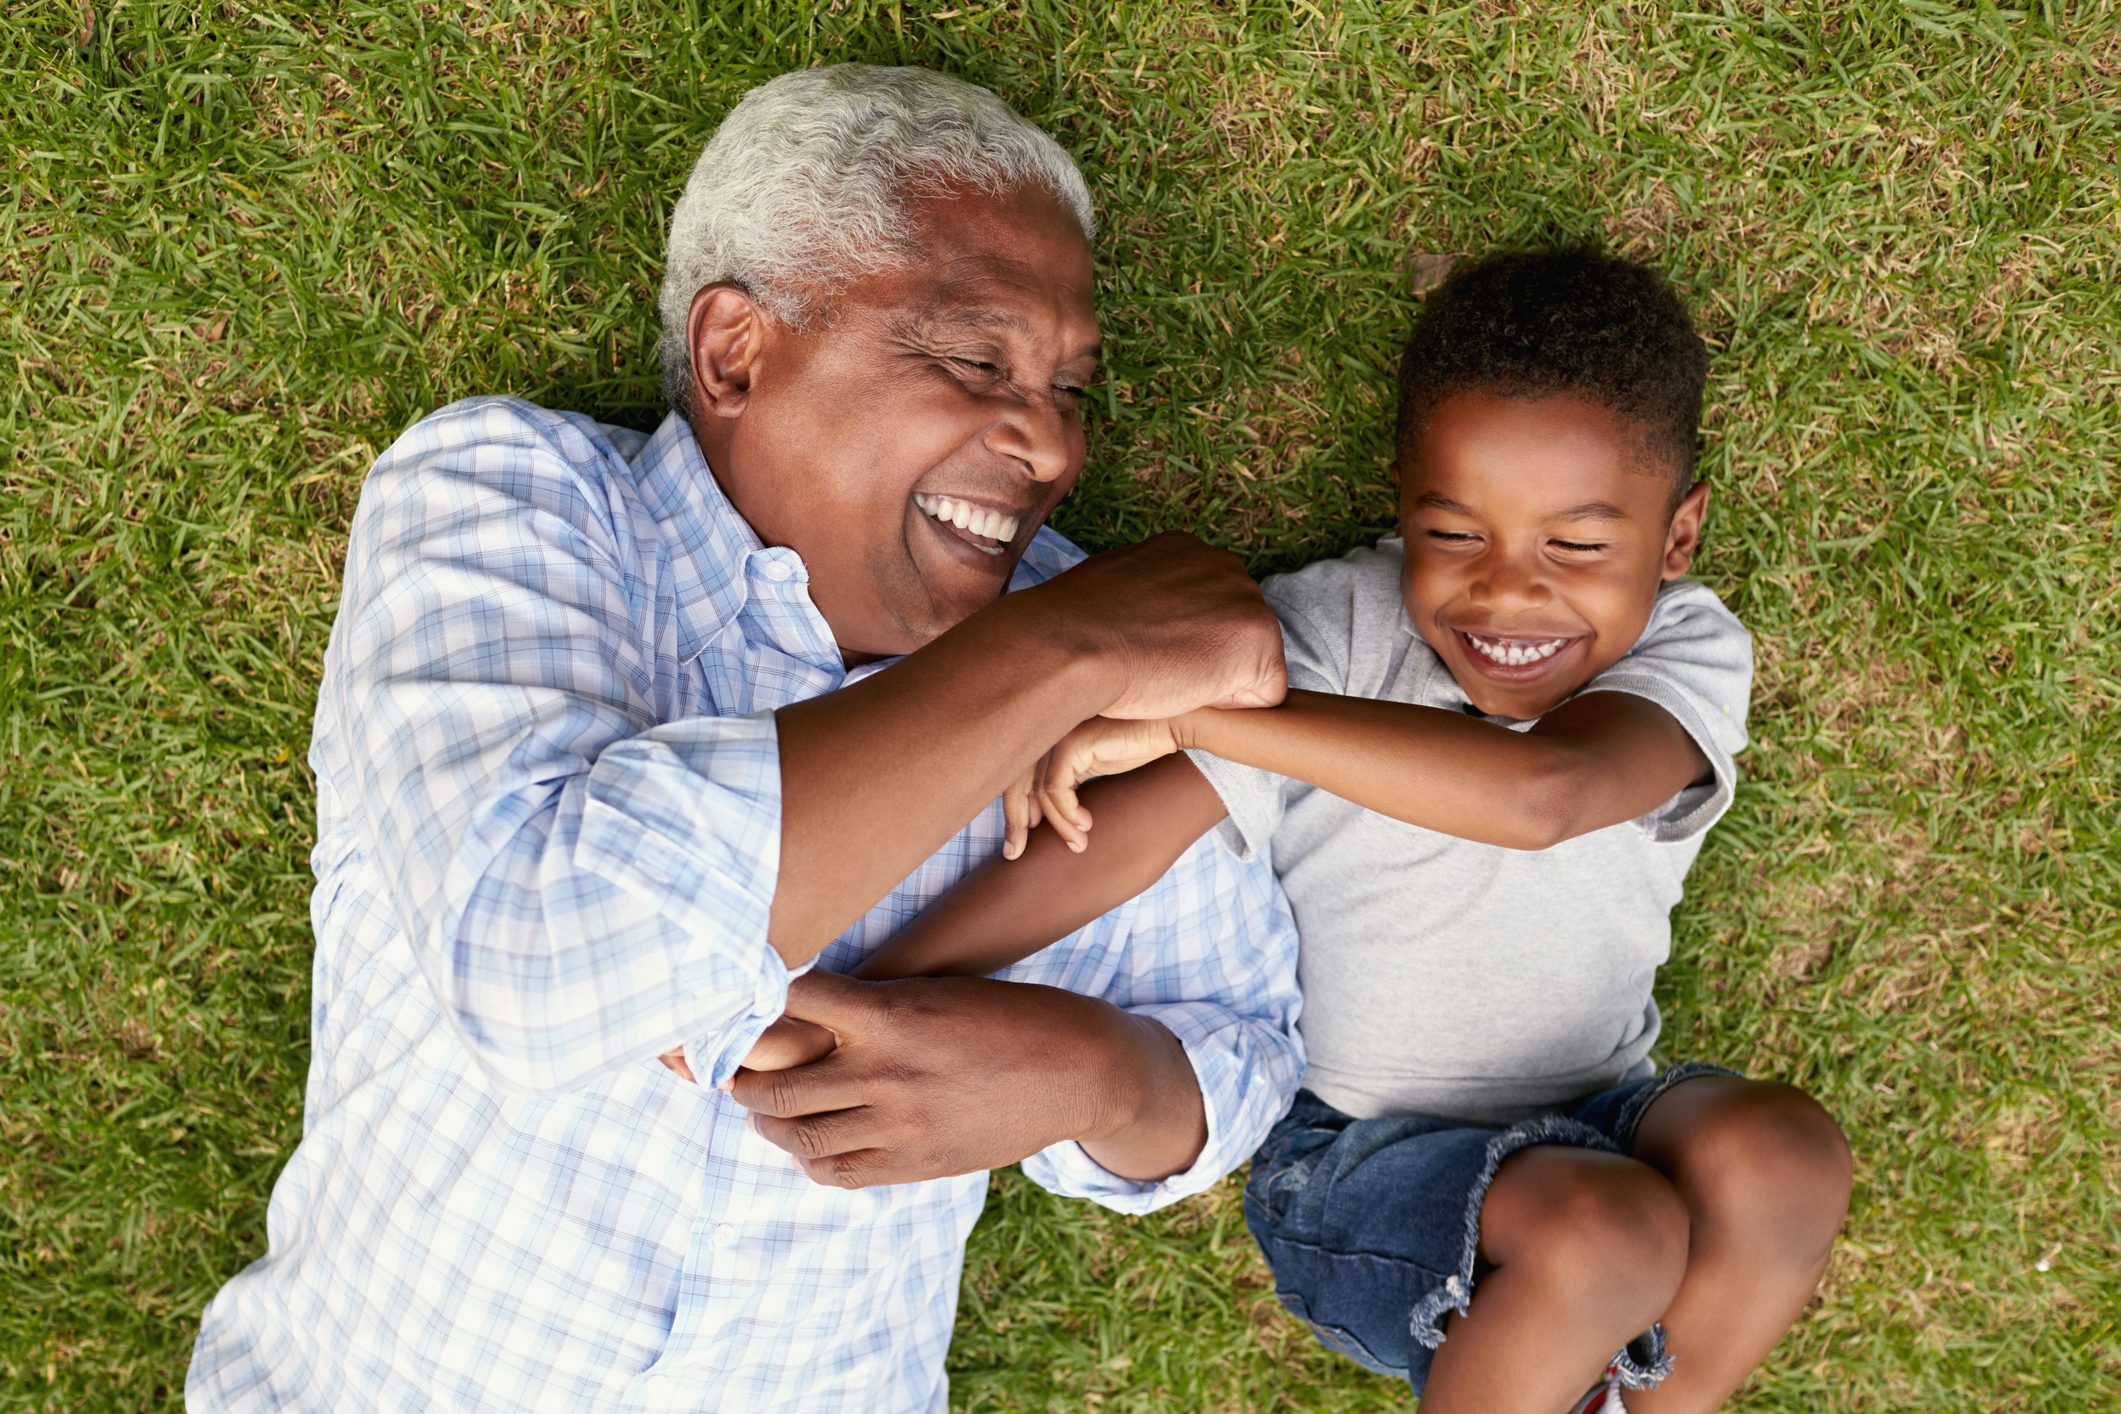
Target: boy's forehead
[1563,456]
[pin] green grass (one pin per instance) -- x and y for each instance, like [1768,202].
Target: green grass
[241,248]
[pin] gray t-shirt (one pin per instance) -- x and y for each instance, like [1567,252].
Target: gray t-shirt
[1446,977]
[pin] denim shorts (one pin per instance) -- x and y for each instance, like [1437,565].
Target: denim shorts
[1372,1226]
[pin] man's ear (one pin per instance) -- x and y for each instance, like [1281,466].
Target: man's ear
[725,332]
[1684,536]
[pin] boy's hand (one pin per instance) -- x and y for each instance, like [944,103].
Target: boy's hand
[1101,746]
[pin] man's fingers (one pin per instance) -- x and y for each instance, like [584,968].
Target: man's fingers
[1269,688]
[830,1084]
[840,1004]
[864,1168]
[818,1136]
[789,1042]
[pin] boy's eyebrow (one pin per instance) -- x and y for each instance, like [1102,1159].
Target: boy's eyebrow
[1437,501]
[1593,510]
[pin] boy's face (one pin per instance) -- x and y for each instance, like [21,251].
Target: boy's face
[1537,536]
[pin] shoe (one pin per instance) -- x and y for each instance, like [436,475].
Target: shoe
[1603,1398]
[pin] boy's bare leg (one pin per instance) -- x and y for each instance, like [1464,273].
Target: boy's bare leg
[1764,1173]
[1587,1249]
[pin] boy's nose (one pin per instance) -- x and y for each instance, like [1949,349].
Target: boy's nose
[1506,585]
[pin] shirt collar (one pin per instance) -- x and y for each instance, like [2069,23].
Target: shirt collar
[714,553]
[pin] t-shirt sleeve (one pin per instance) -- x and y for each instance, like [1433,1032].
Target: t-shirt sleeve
[1695,660]
[1316,614]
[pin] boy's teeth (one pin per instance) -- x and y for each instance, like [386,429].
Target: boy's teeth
[991,524]
[1512,653]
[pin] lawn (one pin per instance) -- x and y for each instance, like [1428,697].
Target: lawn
[242,247]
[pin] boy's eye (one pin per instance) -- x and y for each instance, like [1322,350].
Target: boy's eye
[1453,537]
[1580,547]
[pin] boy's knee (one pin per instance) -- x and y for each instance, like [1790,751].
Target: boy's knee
[1771,1154]
[1610,1231]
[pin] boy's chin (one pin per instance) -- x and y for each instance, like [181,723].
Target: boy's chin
[1517,707]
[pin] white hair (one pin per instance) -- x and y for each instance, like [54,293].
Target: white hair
[802,189]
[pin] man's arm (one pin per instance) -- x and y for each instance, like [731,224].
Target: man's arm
[1153,1088]
[585,886]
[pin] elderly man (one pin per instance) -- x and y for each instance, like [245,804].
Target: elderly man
[618,734]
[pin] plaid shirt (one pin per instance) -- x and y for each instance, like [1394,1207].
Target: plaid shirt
[548,819]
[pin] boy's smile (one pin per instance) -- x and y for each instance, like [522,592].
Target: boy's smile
[1537,537]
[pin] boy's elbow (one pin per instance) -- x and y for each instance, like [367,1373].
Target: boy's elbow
[1549,807]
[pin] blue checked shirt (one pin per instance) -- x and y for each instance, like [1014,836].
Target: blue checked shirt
[548,829]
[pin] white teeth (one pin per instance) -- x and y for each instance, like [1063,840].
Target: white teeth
[965,516]
[1512,653]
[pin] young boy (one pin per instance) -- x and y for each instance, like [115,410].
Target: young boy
[1508,729]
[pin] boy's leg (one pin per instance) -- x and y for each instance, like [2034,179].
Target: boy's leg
[1587,1250]
[1764,1173]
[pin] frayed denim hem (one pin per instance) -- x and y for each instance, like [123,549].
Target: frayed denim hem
[1640,1364]
[1643,1362]
[1426,1323]
[1639,1104]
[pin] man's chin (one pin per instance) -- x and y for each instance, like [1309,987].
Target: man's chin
[920,623]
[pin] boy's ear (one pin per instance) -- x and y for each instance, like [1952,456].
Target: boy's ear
[1683,537]
[725,332]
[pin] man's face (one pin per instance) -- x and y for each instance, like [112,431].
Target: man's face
[1537,535]
[910,447]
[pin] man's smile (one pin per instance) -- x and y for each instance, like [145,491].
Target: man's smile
[983,528]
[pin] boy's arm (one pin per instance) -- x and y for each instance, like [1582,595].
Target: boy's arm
[1599,760]
[1005,910]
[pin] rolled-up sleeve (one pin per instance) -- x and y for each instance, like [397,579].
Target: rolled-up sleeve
[1210,952]
[583,883]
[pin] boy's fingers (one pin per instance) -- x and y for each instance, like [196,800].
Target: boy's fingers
[1076,765]
[675,1060]
[1019,814]
[1062,821]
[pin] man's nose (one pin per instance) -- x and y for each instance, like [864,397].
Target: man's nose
[1034,431]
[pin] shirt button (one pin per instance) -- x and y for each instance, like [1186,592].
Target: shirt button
[724,1235]
[777,569]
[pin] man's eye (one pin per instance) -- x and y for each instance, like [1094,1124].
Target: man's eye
[978,368]
[1068,393]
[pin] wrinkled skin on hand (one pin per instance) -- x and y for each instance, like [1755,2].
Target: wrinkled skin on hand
[934,1077]
[1184,621]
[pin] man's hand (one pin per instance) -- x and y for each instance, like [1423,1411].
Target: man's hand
[1101,746]
[787,1042]
[949,1075]
[1184,623]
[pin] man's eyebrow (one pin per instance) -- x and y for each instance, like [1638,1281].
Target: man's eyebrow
[970,316]
[942,318]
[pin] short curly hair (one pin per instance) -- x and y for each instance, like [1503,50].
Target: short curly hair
[1531,323]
